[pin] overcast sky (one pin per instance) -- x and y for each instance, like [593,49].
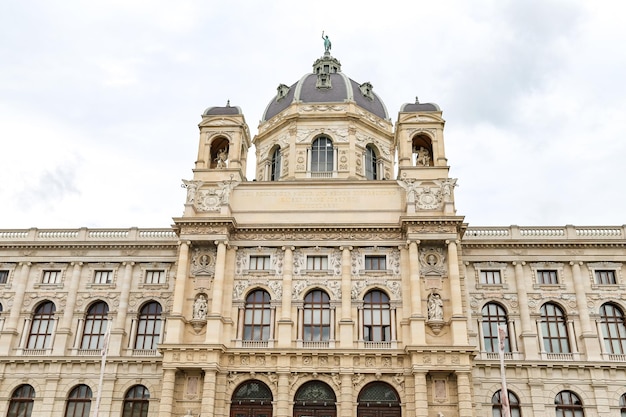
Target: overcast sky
[100,100]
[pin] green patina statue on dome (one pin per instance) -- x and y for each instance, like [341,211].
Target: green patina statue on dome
[327,44]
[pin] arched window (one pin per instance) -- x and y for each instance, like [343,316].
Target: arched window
[322,155]
[622,405]
[148,326]
[21,404]
[613,329]
[136,402]
[275,167]
[496,408]
[493,317]
[316,324]
[378,399]
[257,320]
[568,405]
[371,163]
[78,402]
[41,328]
[554,329]
[376,317]
[251,398]
[95,326]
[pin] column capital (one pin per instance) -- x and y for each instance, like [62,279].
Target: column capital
[292,248]
[25,263]
[455,241]
[579,263]
[184,242]
[520,263]
[76,263]
[346,247]
[128,263]
[221,242]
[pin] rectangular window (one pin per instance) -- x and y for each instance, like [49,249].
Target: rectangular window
[316,263]
[260,263]
[51,277]
[490,277]
[155,276]
[103,277]
[547,277]
[375,262]
[605,277]
[4,277]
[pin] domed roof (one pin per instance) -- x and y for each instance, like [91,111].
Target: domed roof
[327,84]
[418,107]
[222,111]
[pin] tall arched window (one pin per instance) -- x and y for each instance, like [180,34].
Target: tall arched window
[622,405]
[275,167]
[371,163]
[136,402]
[554,329]
[316,324]
[40,335]
[78,402]
[322,155]
[493,317]
[376,317]
[613,329]
[148,326]
[21,404]
[257,320]
[568,405]
[95,326]
[496,401]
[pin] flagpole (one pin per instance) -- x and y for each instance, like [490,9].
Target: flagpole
[504,393]
[105,351]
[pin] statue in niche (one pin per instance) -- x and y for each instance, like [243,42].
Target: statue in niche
[200,307]
[423,157]
[221,158]
[435,307]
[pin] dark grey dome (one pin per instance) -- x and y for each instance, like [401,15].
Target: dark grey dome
[418,107]
[327,84]
[222,111]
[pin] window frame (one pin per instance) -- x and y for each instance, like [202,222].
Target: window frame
[377,324]
[548,277]
[43,316]
[257,316]
[4,276]
[21,403]
[275,164]
[541,267]
[554,329]
[149,326]
[81,403]
[322,156]
[491,266]
[491,322]
[311,263]
[514,404]
[371,163]
[565,407]
[316,316]
[613,327]
[490,277]
[55,273]
[136,405]
[367,262]
[99,272]
[267,262]
[95,326]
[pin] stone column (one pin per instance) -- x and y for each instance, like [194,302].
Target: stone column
[458,320]
[119,327]
[465,394]
[588,337]
[528,334]
[346,399]
[10,333]
[282,398]
[214,319]
[421,394]
[64,330]
[208,393]
[285,323]
[346,324]
[417,319]
[175,322]
[166,406]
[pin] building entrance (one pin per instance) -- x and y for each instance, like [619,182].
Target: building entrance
[251,399]
[378,400]
[315,399]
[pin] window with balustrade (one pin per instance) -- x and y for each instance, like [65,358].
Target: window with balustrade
[568,404]
[316,316]
[322,155]
[78,402]
[136,402]
[148,326]
[376,317]
[554,329]
[22,400]
[257,316]
[95,326]
[514,406]
[493,317]
[41,326]
[622,405]
[613,329]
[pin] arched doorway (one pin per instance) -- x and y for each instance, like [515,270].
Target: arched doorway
[315,399]
[378,399]
[251,399]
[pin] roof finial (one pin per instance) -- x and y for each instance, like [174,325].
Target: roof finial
[327,44]
[227,103]
[417,101]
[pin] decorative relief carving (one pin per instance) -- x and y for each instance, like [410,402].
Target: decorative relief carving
[212,199]
[307,235]
[203,261]
[433,261]
[428,195]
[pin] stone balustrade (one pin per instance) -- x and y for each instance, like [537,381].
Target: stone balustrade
[568,232]
[84,234]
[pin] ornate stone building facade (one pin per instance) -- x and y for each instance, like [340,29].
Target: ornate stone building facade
[340,282]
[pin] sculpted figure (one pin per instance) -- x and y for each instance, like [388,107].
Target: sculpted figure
[200,307]
[435,307]
[327,44]
[222,156]
[423,157]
